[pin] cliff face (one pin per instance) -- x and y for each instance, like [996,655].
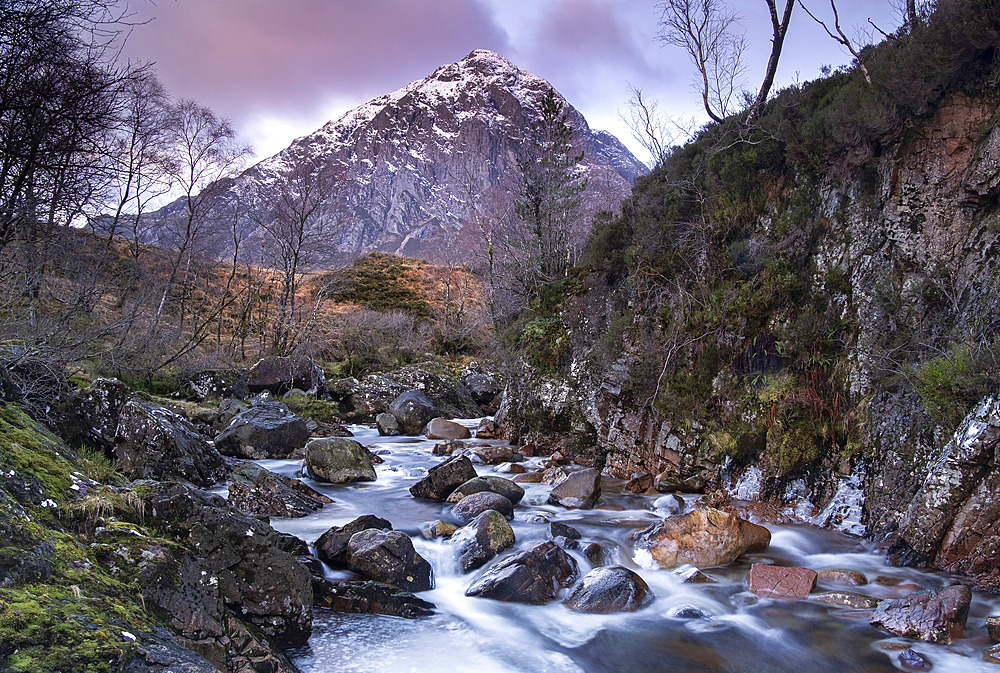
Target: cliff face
[901,255]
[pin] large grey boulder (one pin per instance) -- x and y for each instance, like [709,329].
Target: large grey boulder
[154,443]
[610,589]
[389,556]
[278,375]
[268,430]
[480,541]
[578,491]
[413,411]
[533,576]
[448,394]
[473,505]
[488,483]
[444,478]
[331,547]
[338,460]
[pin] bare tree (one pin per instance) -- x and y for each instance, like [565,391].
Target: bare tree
[840,36]
[655,131]
[705,30]
[299,222]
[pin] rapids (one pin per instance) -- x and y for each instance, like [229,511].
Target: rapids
[692,628]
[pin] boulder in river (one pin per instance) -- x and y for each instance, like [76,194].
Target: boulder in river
[444,478]
[331,547]
[268,430]
[413,411]
[387,425]
[471,506]
[610,589]
[488,429]
[485,454]
[278,375]
[703,538]
[532,576]
[439,428]
[262,493]
[490,483]
[847,599]
[480,541]
[993,627]
[578,491]
[375,598]
[780,581]
[389,556]
[843,576]
[931,615]
[338,460]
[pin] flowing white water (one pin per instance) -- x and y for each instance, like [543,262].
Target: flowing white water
[689,627]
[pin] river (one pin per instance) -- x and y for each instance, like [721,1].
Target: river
[692,628]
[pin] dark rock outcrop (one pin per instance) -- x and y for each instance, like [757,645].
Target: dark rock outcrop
[331,547]
[267,430]
[610,589]
[413,410]
[444,478]
[278,375]
[338,460]
[934,616]
[479,542]
[262,493]
[389,557]
[532,576]
[373,598]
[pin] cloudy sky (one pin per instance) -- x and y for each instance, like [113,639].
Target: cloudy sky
[280,69]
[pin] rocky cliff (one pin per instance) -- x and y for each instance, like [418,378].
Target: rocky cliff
[823,345]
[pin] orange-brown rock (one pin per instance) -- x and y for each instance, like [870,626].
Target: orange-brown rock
[780,582]
[703,538]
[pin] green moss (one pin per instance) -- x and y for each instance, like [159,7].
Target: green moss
[377,282]
[27,447]
[546,342]
[323,411]
[952,384]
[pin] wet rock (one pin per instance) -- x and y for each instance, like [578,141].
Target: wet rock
[557,529]
[373,598]
[639,483]
[482,387]
[489,483]
[228,409]
[703,538]
[669,505]
[413,411]
[844,576]
[338,460]
[847,599]
[444,478]
[331,547]
[555,475]
[157,651]
[914,661]
[490,455]
[229,561]
[439,428]
[471,506]
[449,395]
[533,576]
[486,536]
[488,429]
[992,625]
[268,430]
[691,575]
[672,482]
[687,612]
[528,450]
[278,375]
[992,654]
[389,556]
[438,528]
[780,582]
[510,468]
[757,538]
[934,616]
[607,590]
[595,554]
[579,491]
[528,478]
[448,447]
[153,443]
[387,425]
[262,493]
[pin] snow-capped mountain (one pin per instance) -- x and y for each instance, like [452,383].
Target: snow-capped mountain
[415,165]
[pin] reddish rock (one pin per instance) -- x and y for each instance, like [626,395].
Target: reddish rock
[780,582]
[993,627]
[639,483]
[757,538]
[703,538]
[528,478]
[488,429]
[438,428]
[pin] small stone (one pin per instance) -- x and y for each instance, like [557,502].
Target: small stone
[387,425]
[993,627]
[490,483]
[557,529]
[438,528]
[444,478]
[485,537]
[449,446]
[594,553]
[510,468]
[847,599]
[686,612]
[914,661]
[528,478]
[842,575]
[780,582]
[669,504]
[992,654]
[554,475]
[528,450]
[691,575]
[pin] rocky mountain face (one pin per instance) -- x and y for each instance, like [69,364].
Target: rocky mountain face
[412,168]
[907,244]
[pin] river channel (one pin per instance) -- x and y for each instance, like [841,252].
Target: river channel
[690,628]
